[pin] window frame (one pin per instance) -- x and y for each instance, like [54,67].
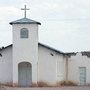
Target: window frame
[24,33]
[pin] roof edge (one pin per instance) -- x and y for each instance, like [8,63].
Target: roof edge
[24,21]
[41,45]
[51,48]
[11,23]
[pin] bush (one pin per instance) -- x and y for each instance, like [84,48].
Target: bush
[66,83]
[43,84]
[34,85]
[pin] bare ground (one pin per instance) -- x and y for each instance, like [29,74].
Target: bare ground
[48,88]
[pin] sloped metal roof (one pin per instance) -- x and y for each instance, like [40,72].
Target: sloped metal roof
[25,21]
[41,45]
[51,48]
[86,53]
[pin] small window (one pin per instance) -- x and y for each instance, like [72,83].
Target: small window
[24,33]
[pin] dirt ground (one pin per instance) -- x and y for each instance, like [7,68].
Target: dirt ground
[48,88]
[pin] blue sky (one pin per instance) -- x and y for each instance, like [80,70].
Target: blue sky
[65,23]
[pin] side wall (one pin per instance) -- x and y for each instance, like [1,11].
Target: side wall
[50,66]
[6,66]
[74,63]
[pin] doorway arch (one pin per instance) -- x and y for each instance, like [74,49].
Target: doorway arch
[24,74]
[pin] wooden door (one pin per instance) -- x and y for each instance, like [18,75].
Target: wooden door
[24,74]
[82,71]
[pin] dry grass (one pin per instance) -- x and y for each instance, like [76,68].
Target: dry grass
[66,83]
[61,83]
[43,84]
[34,85]
[8,84]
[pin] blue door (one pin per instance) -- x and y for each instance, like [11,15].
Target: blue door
[24,74]
[82,76]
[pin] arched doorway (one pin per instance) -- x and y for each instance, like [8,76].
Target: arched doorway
[24,74]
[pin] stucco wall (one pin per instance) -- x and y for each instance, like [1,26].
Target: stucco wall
[74,63]
[25,49]
[50,68]
[6,65]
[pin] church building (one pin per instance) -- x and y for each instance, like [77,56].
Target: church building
[27,62]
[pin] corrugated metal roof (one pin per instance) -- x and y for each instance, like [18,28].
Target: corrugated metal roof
[25,21]
[86,53]
[51,48]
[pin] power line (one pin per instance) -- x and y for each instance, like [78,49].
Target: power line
[77,19]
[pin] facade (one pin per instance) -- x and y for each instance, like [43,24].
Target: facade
[27,62]
[27,49]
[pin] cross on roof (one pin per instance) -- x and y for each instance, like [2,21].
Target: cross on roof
[25,9]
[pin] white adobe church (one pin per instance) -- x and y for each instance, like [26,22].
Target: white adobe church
[28,62]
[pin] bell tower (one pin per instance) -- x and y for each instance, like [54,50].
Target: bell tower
[25,47]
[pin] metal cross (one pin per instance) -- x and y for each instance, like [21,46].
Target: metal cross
[25,9]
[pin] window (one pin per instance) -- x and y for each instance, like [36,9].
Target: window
[24,33]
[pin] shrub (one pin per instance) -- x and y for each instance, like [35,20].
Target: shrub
[66,83]
[43,84]
[34,85]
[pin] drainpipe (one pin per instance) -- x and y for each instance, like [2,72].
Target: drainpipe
[66,67]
